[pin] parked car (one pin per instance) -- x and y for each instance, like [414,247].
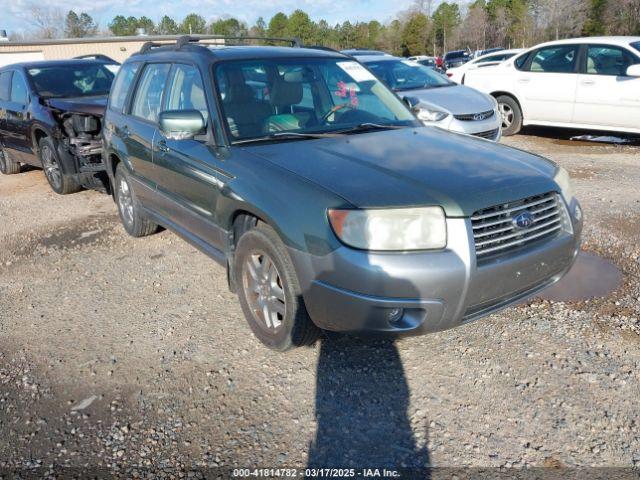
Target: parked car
[587,83]
[458,74]
[425,61]
[482,53]
[437,100]
[51,117]
[328,203]
[455,59]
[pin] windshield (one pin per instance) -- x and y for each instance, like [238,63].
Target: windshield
[407,75]
[263,97]
[72,80]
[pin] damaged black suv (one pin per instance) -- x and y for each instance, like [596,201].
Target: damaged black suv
[51,117]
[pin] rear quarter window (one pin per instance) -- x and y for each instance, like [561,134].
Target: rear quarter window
[122,85]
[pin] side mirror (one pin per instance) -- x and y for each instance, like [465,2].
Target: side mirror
[633,70]
[412,103]
[181,124]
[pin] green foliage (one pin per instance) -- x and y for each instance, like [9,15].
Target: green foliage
[300,26]
[415,34]
[229,27]
[278,25]
[167,26]
[193,23]
[123,26]
[79,26]
[595,19]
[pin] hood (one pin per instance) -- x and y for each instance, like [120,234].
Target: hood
[415,166]
[456,100]
[88,105]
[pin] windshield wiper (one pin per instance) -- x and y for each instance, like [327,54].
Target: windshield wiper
[288,135]
[363,127]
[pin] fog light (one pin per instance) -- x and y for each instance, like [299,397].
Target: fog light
[577,212]
[394,314]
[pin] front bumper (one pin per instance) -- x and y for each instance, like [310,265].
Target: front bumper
[489,129]
[353,291]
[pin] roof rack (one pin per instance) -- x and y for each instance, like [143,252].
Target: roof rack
[186,39]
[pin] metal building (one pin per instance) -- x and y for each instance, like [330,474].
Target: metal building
[118,48]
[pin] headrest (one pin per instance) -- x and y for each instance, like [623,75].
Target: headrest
[239,93]
[284,93]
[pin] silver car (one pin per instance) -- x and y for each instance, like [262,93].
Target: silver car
[436,100]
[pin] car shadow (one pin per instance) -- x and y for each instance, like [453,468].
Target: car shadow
[363,398]
[564,136]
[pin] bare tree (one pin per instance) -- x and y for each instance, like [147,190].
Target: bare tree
[563,18]
[623,17]
[475,27]
[48,21]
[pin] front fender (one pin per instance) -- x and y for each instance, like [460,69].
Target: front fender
[293,206]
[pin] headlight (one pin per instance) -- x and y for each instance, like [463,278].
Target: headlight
[396,229]
[431,115]
[564,182]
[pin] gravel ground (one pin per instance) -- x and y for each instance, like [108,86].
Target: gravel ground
[132,356]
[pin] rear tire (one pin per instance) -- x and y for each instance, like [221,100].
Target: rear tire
[511,115]
[133,219]
[269,291]
[7,165]
[60,183]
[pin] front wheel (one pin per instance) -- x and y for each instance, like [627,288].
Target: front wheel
[511,115]
[134,221]
[269,291]
[59,182]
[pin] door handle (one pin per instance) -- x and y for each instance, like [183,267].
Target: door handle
[163,147]
[588,82]
[524,80]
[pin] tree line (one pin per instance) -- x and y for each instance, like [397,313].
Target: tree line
[428,27]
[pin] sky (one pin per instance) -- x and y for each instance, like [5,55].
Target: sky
[14,14]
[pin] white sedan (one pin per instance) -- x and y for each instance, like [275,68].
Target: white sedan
[457,74]
[586,83]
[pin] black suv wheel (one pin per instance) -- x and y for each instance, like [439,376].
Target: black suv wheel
[59,182]
[7,165]
[269,291]
[133,219]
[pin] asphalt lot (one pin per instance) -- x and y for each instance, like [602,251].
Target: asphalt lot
[131,354]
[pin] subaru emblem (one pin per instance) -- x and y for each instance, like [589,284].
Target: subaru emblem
[522,221]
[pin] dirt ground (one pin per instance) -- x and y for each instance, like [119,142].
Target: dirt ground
[130,355]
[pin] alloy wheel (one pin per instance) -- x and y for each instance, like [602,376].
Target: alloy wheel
[507,115]
[264,290]
[3,161]
[125,201]
[51,167]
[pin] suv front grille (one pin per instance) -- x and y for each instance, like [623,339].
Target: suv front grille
[495,229]
[471,117]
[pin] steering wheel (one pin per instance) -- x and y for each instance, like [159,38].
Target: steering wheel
[334,109]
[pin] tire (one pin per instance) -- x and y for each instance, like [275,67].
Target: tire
[8,166]
[133,219]
[59,182]
[282,322]
[511,115]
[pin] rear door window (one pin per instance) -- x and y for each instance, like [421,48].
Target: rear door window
[121,86]
[147,101]
[607,60]
[5,85]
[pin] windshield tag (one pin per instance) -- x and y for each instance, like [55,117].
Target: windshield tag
[356,71]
